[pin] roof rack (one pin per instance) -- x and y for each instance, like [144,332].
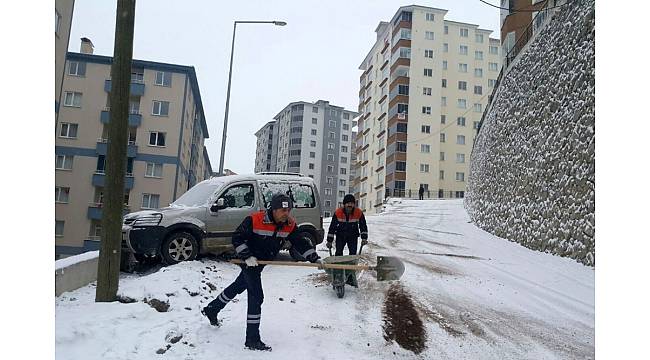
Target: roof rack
[279,173]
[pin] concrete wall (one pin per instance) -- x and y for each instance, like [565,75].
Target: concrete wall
[77,271]
[532,175]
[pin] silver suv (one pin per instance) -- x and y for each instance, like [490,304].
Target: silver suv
[204,219]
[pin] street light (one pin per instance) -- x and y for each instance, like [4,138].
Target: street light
[232,50]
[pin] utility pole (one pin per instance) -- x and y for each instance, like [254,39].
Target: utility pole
[108,270]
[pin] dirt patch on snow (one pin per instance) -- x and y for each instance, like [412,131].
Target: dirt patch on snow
[402,322]
[319,279]
[160,306]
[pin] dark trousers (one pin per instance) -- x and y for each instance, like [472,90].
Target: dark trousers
[249,280]
[421,196]
[350,241]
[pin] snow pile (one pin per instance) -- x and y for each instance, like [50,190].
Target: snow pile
[71,260]
[532,174]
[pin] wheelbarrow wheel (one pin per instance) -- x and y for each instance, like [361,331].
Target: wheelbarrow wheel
[340,291]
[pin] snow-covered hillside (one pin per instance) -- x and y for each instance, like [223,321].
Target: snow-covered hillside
[465,294]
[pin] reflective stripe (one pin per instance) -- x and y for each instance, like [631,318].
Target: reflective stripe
[308,252]
[253,321]
[341,219]
[283,234]
[353,220]
[254,316]
[222,299]
[223,294]
[330,236]
[263,232]
[364,233]
[241,248]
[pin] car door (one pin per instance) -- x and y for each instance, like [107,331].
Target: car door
[239,201]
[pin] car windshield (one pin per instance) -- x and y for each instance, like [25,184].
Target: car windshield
[198,195]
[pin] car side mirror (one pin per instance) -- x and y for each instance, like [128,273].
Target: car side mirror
[220,204]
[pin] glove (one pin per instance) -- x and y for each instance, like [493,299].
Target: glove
[313,258]
[251,261]
[329,244]
[364,241]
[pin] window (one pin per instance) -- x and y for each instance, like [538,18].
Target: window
[76,68]
[330,157]
[460,176]
[101,165]
[342,182]
[314,121]
[444,65]
[442,174]
[346,116]
[460,139]
[478,90]
[405,52]
[64,162]
[330,146]
[426,129]
[443,119]
[425,148]
[328,191]
[463,50]
[442,156]
[403,89]
[462,103]
[493,66]
[346,126]
[462,67]
[402,108]
[444,83]
[426,91]
[294,164]
[426,110]
[72,99]
[344,160]
[327,213]
[239,196]
[443,101]
[332,135]
[57,22]
[442,137]
[157,138]
[478,55]
[313,131]
[69,130]
[446,30]
[401,146]
[58,230]
[428,35]
[428,54]
[344,171]
[460,158]
[330,168]
[429,16]
[314,109]
[62,194]
[163,78]
[400,166]
[329,180]
[464,32]
[332,123]
[476,125]
[479,38]
[478,107]
[460,121]
[311,166]
[160,108]
[445,47]
[344,138]
[295,141]
[462,85]
[478,72]
[344,149]
[492,82]
[312,154]
[428,72]
[494,50]
[424,168]
[150,201]
[312,143]
[154,170]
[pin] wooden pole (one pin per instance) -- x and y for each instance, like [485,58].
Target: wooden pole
[108,270]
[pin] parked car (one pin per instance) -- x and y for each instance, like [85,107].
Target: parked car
[204,218]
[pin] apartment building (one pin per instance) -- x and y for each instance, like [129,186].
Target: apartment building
[423,89]
[314,139]
[166,152]
[63,10]
[515,17]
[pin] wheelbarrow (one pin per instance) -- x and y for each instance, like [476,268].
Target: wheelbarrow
[340,277]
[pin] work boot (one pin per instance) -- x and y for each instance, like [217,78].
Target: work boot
[257,345]
[211,313]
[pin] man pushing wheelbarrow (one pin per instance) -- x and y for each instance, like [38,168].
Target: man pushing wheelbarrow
[347,224]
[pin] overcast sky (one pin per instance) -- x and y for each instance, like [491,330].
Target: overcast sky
[316,56]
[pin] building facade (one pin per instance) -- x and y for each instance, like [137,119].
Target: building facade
[314,139]
[423,89]
[516,15]
[166,152]
[63,10]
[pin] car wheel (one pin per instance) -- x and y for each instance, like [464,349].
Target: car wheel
[179,246]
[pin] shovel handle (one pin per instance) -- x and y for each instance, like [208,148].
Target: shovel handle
[304,264]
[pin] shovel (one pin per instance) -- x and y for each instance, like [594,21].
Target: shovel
[387,268]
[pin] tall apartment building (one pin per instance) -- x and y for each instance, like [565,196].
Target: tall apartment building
[516,15]
[63,10]
[423,88]
[314,139]
[166,152]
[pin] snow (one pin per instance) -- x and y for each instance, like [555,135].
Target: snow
[71,260]
[478,296]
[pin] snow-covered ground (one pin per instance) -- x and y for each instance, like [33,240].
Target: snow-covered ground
[476,296]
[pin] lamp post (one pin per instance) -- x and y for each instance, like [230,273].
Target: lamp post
[225,119]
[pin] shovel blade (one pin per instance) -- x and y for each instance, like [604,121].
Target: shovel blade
[389,268]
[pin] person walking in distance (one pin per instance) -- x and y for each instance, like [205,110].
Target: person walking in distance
[260,236]
[348,223]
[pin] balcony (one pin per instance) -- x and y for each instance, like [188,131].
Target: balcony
[135,118]
[137,87]
[99,179]
[95,211]
[102,148]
